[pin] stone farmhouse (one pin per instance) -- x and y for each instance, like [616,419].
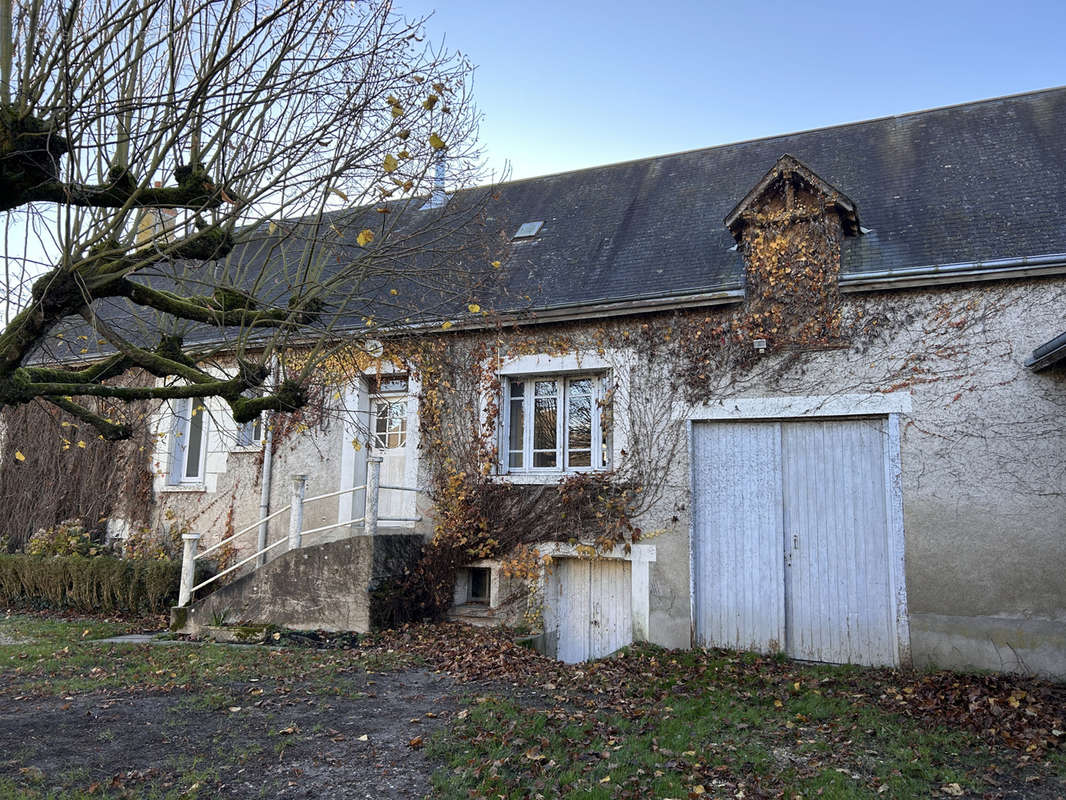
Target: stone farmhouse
[824,368]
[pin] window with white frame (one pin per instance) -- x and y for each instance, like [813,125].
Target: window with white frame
[390,424]
[250,434]
[388,411]
[189,438]
[555,423]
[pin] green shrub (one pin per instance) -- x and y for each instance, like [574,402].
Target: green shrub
[102,584]
[68,538]
[149,545]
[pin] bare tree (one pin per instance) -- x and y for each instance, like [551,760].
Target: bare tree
[184,179]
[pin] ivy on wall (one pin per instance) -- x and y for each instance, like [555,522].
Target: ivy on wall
[54,467]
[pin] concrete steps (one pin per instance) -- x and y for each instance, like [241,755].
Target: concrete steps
[326,586]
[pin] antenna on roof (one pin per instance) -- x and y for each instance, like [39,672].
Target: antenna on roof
[437,197]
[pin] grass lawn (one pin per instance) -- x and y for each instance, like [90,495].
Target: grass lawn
[59,657]
[737,726]
[682,724]
[80,718]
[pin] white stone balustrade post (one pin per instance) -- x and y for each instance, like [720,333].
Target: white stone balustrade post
[296,511]
[373,488]
[188,567]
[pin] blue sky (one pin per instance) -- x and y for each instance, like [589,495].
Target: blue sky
[570,85]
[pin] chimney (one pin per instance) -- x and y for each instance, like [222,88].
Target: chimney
[156,224]
[437,197]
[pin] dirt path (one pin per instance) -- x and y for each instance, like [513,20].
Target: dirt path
[257,740]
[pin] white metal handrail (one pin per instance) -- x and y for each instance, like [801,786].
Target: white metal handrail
[370,520]
[243,531]
[333,525]
[278,513]
[327,495]
[238,565]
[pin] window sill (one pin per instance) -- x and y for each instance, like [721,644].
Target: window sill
[255,448]
[476,610]
[186,488]
[535,478]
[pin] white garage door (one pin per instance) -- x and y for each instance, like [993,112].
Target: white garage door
[589,607]
[791,539]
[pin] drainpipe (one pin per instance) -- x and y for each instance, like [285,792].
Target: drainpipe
[268,464]
[264,490]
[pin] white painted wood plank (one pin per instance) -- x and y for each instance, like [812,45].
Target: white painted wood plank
[589,605]
[839,602]
[625,605]
[574,610]
[611,596]
[600,604]
[737,535]
[551,606]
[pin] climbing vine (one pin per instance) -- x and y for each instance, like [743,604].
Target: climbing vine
[54,467]
[664,365]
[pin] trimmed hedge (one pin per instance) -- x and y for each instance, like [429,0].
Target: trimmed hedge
[100,584]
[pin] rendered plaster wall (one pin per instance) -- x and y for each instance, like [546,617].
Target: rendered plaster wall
[228,500]
[982,466]
[317,455]
[230,489]
[983,470]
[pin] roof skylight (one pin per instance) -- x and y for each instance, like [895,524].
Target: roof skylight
[527,230]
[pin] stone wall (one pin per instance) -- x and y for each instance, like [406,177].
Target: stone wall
[983,468]
[322,587]
[982,465]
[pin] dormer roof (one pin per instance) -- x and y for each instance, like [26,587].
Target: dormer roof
[791,170]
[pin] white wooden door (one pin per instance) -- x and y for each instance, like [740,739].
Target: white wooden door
[790,539]
[388,417]
[739,569]
[838,603]
[590,606]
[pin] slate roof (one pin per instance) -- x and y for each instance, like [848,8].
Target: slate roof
[966,183]
[976,182]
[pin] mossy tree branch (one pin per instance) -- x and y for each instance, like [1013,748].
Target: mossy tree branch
[30,151]
[121,192]
[199,309]
[167,360]
[258,121]
[108,368]
[61,293]
[229,388]
[112,431]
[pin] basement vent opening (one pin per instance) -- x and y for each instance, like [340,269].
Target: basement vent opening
[527,230]
[480,581]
